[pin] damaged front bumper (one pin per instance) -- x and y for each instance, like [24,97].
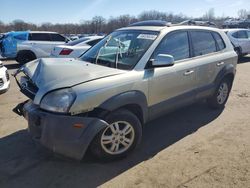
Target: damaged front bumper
[63,134]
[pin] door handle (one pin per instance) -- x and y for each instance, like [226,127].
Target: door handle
[189,72]
[220,63]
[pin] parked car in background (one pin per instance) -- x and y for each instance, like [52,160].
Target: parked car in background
[102,100]
[75,37]
[236,23]
[4,78]
[240,38]
[25,46]
[75,48]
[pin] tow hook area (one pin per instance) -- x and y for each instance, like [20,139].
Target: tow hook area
[19,108]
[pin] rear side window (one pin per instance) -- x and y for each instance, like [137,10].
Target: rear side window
[175,44]
[240,35]
[39,37]
[203,43]
[219,40]
[57,37]
[93,42]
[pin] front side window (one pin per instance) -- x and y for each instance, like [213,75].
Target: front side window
[175,44]
[39,37]
[21,36]
[121,49]
[203,43]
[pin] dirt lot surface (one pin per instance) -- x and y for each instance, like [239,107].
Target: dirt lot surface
[192,147]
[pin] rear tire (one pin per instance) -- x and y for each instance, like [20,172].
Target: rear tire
[221,94]
[118,139]
[25,56]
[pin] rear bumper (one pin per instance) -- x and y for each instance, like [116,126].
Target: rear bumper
[63,134]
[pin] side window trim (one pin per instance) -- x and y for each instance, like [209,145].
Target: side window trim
[191,47]
[216,43]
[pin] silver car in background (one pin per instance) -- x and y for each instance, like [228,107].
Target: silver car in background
[240,38]
[102,100]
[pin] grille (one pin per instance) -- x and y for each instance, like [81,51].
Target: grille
[7,75]
[1,82]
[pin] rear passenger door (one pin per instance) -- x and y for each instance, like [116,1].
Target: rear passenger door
[208,55]
[171,87]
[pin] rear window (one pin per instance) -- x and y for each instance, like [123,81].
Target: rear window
[57,37]
[78,41]
[93,42]
[219,41]
[39,37]
[203,43]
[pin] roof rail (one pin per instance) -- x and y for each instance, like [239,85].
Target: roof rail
[159,23]
[197,23]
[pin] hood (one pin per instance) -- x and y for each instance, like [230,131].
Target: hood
[54,73]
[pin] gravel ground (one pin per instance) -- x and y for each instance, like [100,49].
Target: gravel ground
[192,147]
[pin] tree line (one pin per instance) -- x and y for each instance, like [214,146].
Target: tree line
[99,24]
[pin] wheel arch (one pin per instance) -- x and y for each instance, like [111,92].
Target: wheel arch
[134,101]
[228,72]
[26,51]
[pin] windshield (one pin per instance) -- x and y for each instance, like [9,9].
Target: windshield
[120,49]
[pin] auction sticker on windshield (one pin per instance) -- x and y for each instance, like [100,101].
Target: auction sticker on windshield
[147,36]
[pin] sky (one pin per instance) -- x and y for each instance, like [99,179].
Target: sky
[73,11]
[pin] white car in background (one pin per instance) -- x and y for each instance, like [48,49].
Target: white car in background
[4,78]
[240,38]
[26,46]
[75,48]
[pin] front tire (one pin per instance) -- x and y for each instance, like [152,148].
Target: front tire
[25,56]
[221,94]
[118,139]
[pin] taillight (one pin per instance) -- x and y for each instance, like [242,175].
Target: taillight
[65,51]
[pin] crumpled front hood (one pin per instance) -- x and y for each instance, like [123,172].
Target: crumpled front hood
[54,73]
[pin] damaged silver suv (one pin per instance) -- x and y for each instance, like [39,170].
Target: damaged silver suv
[102,100]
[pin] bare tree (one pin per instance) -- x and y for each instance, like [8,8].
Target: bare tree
[98,24]
[209,15]
[242,13]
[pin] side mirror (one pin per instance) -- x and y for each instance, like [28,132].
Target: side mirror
[163,60]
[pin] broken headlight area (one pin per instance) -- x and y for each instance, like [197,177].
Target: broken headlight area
[58,101]
[27,87]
